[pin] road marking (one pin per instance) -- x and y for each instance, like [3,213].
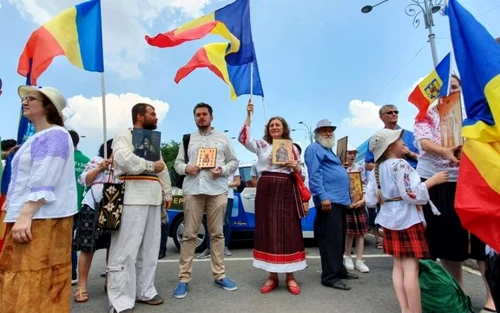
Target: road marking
[310,257]
[471,271]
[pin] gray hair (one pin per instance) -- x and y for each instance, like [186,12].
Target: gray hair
[385,107]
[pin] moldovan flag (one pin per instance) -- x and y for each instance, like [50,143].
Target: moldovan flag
[434,86]
[75,33]
[477,53]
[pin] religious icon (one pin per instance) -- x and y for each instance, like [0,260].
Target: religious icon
[282,151]
[206,157]
[342,150]
[146,144]
[356,186]
[450,115]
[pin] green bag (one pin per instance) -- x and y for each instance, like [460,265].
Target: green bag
[440,292]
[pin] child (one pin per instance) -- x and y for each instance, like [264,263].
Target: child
[399,191]
[356,222]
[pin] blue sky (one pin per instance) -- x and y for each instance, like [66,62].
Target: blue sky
[317,59]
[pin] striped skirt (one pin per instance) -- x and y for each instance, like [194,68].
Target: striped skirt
[406,243]
[278,242]
[36,276]
[356,222]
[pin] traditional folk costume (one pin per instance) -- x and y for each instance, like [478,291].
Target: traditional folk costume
[447,238]
[403,223]
[36,276]
[278,242]
[133,252]
[356,221]
[90,238]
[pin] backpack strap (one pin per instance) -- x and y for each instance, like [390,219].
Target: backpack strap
[185,143]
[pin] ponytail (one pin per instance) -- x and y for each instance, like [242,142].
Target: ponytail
[380,199]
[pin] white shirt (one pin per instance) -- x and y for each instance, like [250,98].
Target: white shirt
[203,183]
[230,179]
[430,164]
[94,194]
[44,168]
[264,151]
[398,179]
[139,192]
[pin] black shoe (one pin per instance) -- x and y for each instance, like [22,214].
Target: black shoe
[162,254]
[337,285]
[350,276]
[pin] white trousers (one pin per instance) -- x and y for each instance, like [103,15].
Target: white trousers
[133,256]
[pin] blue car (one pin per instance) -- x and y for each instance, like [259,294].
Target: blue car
[242,217]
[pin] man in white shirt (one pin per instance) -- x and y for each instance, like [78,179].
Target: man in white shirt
[133,254]
[204,190]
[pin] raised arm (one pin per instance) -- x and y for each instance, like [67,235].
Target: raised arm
[245,137]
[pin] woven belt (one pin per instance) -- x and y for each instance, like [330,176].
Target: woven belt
[139,177]
[393,199]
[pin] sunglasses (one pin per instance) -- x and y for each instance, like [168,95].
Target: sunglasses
[29,99]
[392,112]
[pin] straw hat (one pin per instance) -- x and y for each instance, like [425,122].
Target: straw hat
[54,95]
[383,139]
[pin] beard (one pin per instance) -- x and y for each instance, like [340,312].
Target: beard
[149,126]
[325,141]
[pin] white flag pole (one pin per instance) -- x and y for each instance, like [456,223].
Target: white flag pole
[104,126]
[251,85]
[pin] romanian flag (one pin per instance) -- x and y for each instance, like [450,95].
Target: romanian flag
[75,33]
[232,61]
[477,54]
[434,86]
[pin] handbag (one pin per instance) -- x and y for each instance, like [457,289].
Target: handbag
[305,193]
[111,205]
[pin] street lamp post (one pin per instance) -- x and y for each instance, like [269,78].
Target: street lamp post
[418,9]
[309,131]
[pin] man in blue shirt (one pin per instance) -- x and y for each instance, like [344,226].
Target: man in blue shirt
[329,184]
[389,115]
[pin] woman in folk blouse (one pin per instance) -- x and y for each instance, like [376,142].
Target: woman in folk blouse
[35,264]
[278,242]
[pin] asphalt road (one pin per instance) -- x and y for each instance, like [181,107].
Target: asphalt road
[371,293]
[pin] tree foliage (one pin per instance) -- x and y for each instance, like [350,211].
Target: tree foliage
[169,152]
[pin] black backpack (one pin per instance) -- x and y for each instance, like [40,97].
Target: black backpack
[179,179]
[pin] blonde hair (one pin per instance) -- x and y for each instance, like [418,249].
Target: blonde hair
[380,199]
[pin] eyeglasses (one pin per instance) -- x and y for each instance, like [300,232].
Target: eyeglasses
[392,112]
[29,99]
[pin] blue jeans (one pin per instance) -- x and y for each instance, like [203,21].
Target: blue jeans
[74,257]
[164,237]
[227,224]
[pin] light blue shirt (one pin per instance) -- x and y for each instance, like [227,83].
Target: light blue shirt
[328,178]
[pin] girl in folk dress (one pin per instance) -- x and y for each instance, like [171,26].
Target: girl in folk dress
[278,242]
[400,193]
[356,222]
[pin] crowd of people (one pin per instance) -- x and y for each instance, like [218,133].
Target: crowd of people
[56,193]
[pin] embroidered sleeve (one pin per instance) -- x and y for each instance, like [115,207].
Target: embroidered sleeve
[253,145]
[410,188]
[49,154]
[92,165]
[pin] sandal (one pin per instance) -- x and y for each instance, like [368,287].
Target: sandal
[268,288]
[294,290]
[81,295]
[379,245]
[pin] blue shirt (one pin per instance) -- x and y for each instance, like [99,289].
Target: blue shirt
[409,142]
[328,178]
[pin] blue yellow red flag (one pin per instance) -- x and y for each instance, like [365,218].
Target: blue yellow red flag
[477,199]
[434,86]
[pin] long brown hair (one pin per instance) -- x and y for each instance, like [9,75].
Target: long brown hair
[52,114]
[380,199]
[286,130]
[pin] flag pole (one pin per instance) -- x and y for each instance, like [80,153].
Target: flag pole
[251,85]
[104,126]
[264,108]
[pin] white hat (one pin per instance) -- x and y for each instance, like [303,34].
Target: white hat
[54,95]
[351,148]
[325,124]
[383,139]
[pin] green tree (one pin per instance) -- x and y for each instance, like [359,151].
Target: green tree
[169,152]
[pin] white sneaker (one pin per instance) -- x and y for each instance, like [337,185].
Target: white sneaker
[204,255]
[361,266]
[348,263]
[227,252]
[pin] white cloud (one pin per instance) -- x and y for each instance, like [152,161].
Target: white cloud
[364,114]
[84,115]
[124,25]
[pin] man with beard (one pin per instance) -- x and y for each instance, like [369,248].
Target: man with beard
[133,253]
[329,184]
[205,191]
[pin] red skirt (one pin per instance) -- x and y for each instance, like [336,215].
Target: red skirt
[356,222]
[278,242]
[407,243]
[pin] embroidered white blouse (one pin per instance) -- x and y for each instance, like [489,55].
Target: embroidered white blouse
[430,164]
[95,193]
[398,179]
[43,168]
[264,151]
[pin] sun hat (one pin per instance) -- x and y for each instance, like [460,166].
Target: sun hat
[351,148]
[54,95]
[383,139]
[325,124]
